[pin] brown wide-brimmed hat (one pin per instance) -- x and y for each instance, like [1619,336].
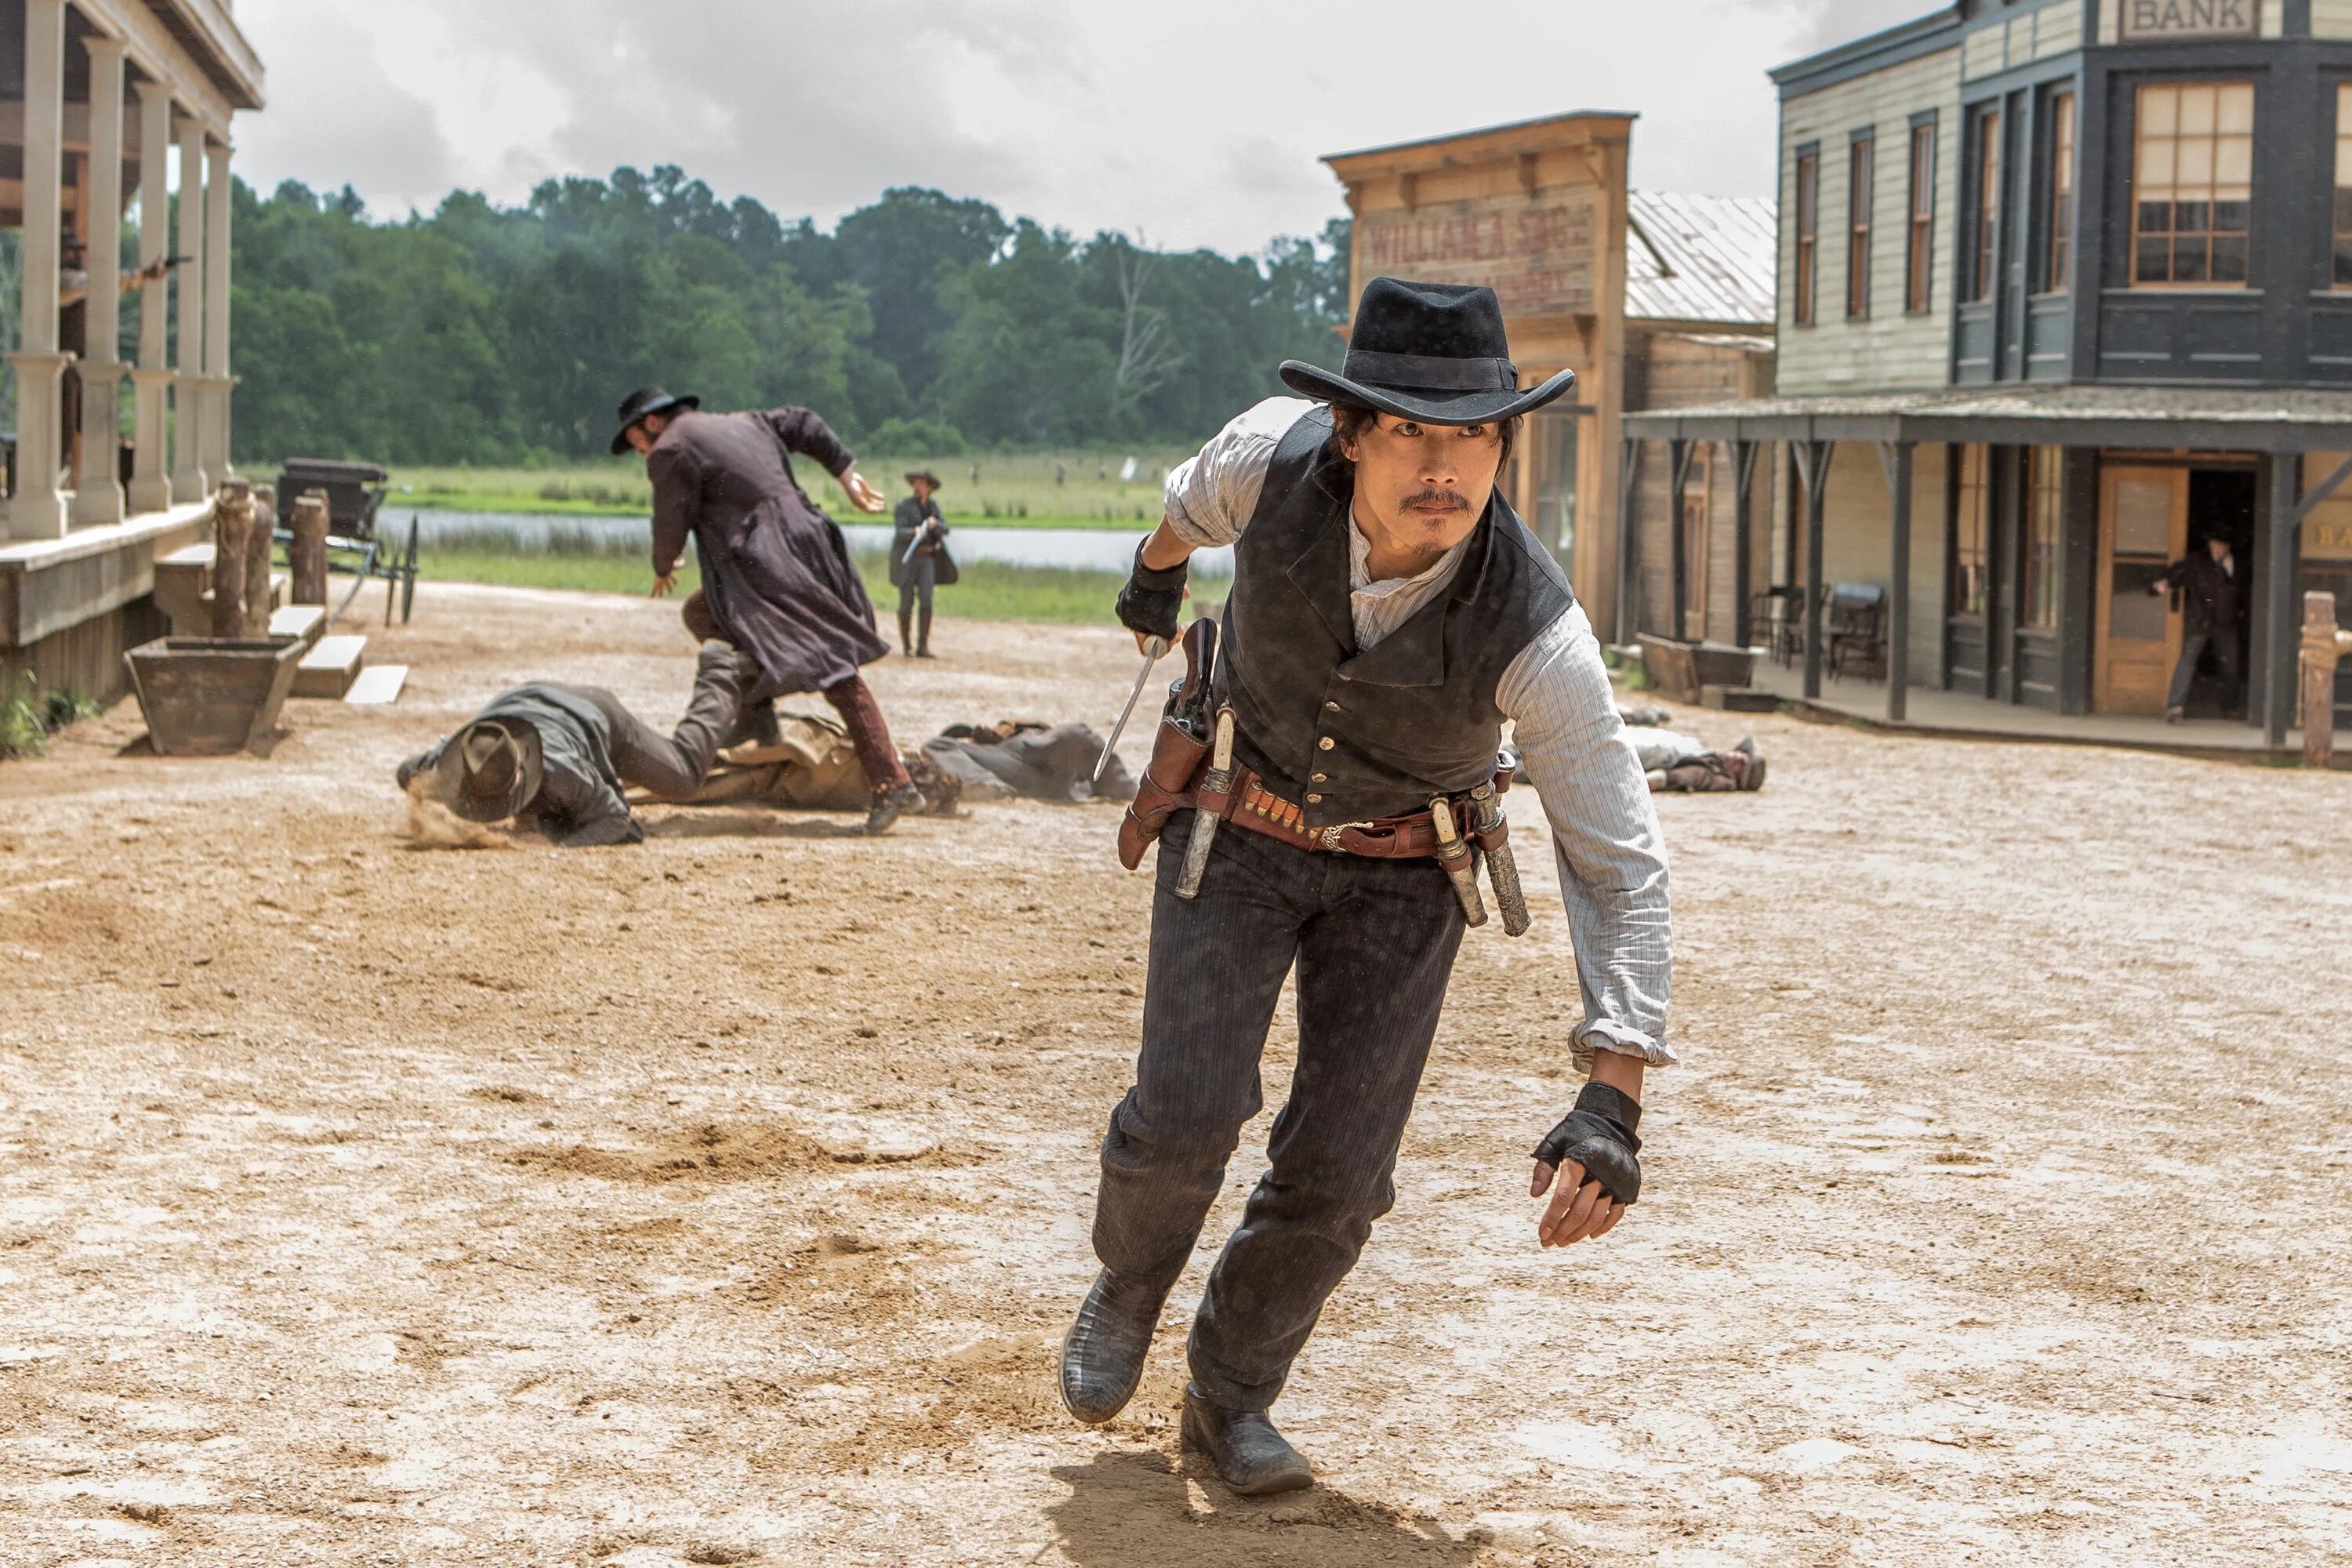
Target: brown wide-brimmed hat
[926,477]
[643,404]
[489,770]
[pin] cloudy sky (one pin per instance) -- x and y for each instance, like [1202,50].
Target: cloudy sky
[1191,123]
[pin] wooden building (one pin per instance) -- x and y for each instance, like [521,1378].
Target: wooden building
[1652,300]
[2065,289]
[96,98]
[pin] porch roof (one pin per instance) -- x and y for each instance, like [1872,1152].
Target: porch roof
[2242,419]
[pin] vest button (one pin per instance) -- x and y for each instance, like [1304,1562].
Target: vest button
[1318,778]
[1330,708]
[1326,744]
[1315,800]
[1343,675]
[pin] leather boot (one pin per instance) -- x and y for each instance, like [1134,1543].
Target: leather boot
[923,634]
[1753,778]
[907,632]
[1102,1355]
[1251,1457]
[888,807]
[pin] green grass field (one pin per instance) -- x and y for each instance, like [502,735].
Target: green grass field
[989,592]
[1035,490]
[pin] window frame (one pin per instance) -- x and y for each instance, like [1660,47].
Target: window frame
[1971,478]
[1920,231]
[2213,235]
[2059,207]
[1988,123]
[2041,602]
[2339,271]
[1806,177]
[1861,213]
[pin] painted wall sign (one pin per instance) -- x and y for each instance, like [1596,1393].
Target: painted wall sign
[2191,18]
[1536,252]
[2327,538]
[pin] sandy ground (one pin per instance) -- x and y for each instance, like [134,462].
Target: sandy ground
[721,1200]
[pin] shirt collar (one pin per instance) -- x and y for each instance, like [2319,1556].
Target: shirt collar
[1359,567]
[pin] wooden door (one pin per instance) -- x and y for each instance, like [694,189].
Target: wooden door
[2143,529]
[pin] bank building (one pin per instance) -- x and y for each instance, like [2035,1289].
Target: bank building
[2065,290]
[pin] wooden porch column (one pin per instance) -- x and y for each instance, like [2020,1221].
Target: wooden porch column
[2323,647]
[2273,681]
[1678,465]
[1817,454]
[1629,611]
[37,510]
[1896,455]
[189,480]
[1743,548]
[218,382]
[150,382]
[98,494]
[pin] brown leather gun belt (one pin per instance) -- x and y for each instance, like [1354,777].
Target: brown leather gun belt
[1250,805]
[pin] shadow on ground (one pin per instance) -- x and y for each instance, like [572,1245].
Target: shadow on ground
[1137,1510]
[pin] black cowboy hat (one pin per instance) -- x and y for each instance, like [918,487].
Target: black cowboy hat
[1430,351]
[489,770]
[646,400]
[925,475]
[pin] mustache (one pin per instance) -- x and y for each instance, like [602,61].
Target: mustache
[1454,499]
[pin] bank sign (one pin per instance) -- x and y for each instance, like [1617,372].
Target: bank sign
[2191,18]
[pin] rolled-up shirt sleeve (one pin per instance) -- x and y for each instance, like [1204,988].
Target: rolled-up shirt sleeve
[1605,833]
[1210,496]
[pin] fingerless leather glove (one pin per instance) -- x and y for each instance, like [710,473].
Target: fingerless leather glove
[1152,599]
[1599,1135]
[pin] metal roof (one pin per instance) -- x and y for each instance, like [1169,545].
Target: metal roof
[2280,419]
[1701,259]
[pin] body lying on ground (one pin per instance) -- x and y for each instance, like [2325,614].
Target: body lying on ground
[1031,759]
[556,756]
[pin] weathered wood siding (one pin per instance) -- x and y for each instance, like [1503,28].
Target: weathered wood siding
[1857,540]
[1891,350]
[2331,18]
[85,659]
[1677,372]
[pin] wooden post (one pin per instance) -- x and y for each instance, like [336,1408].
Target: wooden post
[2323,645]
[1899,589]
[305,557]
[261,509]
[232,528]
[1678,460]
[1817,483]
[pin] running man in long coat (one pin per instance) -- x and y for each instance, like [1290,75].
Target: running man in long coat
[777,580]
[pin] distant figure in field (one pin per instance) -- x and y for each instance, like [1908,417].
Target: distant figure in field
[2208,618]
[777,580]
[920,560]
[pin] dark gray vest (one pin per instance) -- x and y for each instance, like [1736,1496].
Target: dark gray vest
[1373,734]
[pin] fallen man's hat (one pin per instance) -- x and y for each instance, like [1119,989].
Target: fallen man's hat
[638,405]
[489,771]
[1429,352]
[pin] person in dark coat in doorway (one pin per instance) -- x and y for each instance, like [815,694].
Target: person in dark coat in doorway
[777,580]
[920,560]
[2212,602]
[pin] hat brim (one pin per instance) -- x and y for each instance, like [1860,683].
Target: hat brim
[449,775]
[621,437]
[928,477]
[1483,407]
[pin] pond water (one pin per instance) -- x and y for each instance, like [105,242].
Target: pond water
[1077,549]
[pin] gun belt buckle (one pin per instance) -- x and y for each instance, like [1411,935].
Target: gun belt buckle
[1329,836]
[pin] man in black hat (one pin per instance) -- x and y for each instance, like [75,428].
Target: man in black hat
[559,756]
[1388,613]
[920,560]
[777,580]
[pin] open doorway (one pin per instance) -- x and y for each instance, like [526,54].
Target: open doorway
[2222,506]
[2153,513]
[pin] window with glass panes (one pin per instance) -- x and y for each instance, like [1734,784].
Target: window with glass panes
[1970,531]
[2042,520]
[1919,253]
[1860,192]
[2193,185]
[1809,190]
[2062,190]
[1986,203]
[2344,186]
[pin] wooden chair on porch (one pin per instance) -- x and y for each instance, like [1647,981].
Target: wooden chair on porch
[1776,616]
[1853,630]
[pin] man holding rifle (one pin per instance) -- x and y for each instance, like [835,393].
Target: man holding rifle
[1322,787]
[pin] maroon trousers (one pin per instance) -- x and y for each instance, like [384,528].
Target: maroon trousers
[861,715]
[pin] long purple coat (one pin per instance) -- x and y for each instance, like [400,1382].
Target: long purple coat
[776,572]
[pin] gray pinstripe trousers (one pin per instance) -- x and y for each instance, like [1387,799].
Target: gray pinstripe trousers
[1374,942]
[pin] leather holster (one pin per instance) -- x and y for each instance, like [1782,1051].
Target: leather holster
[1176,761]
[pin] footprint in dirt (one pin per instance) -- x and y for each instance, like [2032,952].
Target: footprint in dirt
[1132,1509]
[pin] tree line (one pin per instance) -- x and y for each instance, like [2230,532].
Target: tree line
[924,322]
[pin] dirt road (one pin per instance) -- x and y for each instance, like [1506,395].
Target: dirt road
[719,1200]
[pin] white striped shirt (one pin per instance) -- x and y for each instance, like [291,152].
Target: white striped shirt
[1556,693]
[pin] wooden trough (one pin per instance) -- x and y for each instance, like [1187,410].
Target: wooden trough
[1678,670]
[206,697]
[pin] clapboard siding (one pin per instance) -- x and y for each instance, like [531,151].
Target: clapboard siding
[2022,40]
[2331,18]
[1890,350]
